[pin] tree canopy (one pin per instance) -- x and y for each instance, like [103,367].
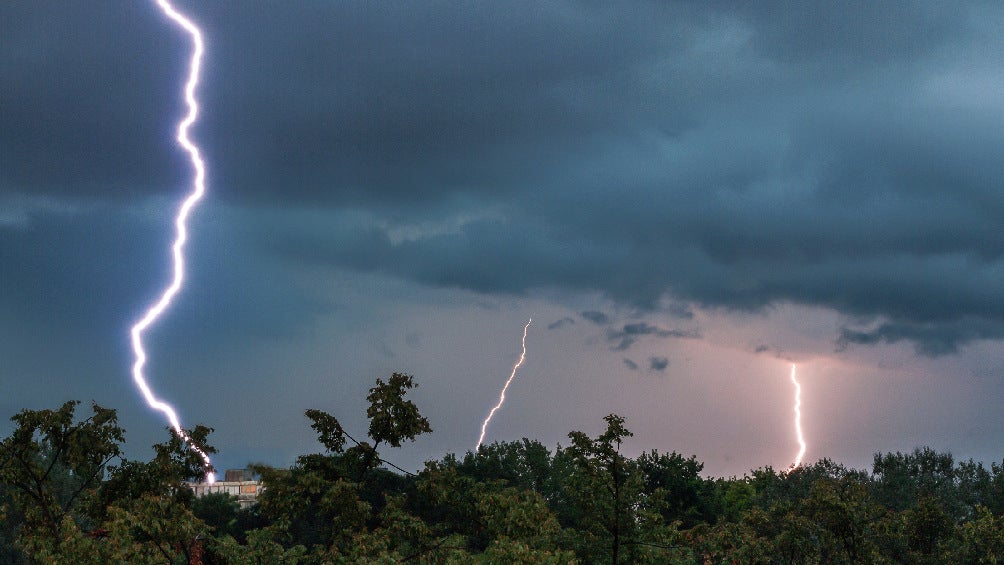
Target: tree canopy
[68,495]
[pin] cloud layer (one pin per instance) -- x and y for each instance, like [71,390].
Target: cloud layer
[722,155]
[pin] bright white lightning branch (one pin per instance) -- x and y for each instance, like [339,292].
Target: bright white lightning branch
[522,357]
[198,189]
[798,420]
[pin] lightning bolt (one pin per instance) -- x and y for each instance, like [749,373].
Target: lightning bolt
[198,190]
[798,420]
[522,357]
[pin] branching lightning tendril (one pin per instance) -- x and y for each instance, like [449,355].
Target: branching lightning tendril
[798,420]
[522,357]
[198,190]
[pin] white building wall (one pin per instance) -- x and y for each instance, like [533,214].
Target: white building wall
[246,492]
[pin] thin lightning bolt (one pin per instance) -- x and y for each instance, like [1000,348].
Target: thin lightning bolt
[522,357]
[798,420]
[198,190]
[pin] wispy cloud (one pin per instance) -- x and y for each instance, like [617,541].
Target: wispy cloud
[629,334]
[658,364]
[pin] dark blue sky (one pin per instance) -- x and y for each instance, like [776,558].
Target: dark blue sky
[685,196]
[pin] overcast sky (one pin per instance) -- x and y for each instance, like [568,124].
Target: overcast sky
[685,196]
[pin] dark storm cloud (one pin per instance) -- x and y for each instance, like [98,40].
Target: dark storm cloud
[90,96]
[406,103]
[680,311]
[630,364]
[724,155]
[931,339]
[596,317]
[558,324]
[87,275]
[630,333]
[658,364]
[793,31]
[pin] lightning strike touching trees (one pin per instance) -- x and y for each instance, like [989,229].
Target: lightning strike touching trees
[522,357]
[798,419]
[198,190]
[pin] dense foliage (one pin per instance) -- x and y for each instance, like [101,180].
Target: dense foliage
[68,496]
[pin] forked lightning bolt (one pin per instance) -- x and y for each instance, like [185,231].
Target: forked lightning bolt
[798,420]
[522,357]
[198,190]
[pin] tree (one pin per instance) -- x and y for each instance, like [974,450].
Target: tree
[602,493]
[51,461]
[11,520]
[219,511]
[902,479]
[165,475]
[329,502]
[524,464]
[927,527]
[676,481]
[79,508]
[732,542]
[68,496]
[392,418]
[846,514]
[978,486]
[980,540]
[259,550]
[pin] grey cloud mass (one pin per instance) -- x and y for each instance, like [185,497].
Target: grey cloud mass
[721,155]
[630,333]
[658,364]
[558,324]
[596,317]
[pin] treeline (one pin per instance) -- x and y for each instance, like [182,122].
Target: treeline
[68,496]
